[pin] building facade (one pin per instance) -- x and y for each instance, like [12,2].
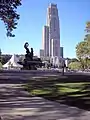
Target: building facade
[51,33]
[45,40]
[54,30]
[41,53]
[61,52]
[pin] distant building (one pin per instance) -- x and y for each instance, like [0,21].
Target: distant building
[57,61]
[54,30]
[67,62]
[51,33]
[41,53]
[61,52]
[45,40]
[45,58]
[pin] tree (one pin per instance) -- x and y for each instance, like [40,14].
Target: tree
[87,27]
[83,48]
[74,65]
[5,59]
[74,60]
[9,15]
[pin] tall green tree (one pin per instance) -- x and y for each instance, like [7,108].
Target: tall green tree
[74,65]
[83,48]
[9,15]
[74,60]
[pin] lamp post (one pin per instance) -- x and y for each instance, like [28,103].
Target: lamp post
[63,65]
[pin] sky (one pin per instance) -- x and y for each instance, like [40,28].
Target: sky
[73,15]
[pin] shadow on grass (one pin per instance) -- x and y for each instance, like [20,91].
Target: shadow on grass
[73,90]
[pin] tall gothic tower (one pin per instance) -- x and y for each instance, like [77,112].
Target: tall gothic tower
[54,30]
[51,33]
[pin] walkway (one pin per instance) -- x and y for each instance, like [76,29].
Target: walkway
[16,104]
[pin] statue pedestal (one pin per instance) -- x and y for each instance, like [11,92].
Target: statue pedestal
[30,65]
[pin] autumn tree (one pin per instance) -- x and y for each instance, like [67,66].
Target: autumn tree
[9,15]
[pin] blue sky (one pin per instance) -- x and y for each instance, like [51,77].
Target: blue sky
[73,15]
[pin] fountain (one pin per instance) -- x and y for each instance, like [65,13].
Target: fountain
[29,63]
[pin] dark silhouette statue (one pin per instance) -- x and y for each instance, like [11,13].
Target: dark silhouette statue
[29,63]
[29,55]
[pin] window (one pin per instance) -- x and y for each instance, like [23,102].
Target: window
[53,11]
[54,23]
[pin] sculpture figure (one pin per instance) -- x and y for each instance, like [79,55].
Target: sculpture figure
[29,55]
[29,63]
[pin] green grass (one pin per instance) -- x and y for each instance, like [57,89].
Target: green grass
[40,92]
[78,95]
[73,84]
[0,65]
[66,90]
[48,87]
[54,89]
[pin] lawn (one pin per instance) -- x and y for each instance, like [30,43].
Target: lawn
[0,65]
[74,93]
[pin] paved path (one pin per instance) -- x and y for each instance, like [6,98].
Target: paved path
[16,104]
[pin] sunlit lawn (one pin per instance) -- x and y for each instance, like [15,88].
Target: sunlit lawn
[61,92]
[0,65]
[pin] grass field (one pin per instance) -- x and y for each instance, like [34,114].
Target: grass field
[0,65]
[61,90]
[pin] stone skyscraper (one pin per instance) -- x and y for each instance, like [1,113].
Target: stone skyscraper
[54,30]
[51,33]
[45,40]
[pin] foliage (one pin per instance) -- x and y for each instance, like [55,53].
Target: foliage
[74,65]
[84,63]
[83,48]
[5,58]
[72,60]
[9,15]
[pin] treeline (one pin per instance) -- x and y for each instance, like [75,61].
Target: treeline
[4,58]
